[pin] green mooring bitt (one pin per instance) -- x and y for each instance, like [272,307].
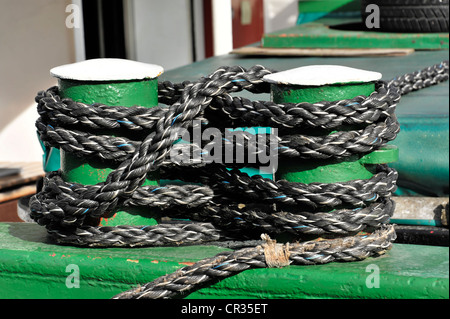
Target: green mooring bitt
[144,92]
[330,170]
[128,93]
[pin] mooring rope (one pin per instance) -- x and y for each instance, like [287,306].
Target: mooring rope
[228,204]
[227,264]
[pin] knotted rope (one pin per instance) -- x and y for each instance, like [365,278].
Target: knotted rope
[227,201]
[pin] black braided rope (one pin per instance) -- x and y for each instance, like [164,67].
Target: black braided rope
[379,108]
[227,201]
[240,112]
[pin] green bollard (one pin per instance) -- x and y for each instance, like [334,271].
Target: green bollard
[317,83]
[114,82]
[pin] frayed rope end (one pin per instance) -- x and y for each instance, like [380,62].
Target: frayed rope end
[276,255]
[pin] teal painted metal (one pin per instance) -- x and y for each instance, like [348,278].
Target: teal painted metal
[424,164]
[251,171]
[310,11]
[51,159]
[420,222]
[32,267]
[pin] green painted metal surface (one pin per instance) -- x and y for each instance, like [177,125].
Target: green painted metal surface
[324,33]
[32,267]
[90,172]
[127,93]
[328,5]
[298,94]
[329,171]
[123,93]
[336,171]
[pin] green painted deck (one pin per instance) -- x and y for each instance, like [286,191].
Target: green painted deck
[345,33]
[32,267]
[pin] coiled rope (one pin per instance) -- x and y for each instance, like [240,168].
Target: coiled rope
[227,201]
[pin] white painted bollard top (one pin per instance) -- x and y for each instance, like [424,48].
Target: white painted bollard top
[319,75]
[107,70]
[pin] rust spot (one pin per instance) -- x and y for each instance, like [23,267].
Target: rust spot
[133,260]
[187,263]
[154,261]
[52,255]
[104,221]
[93,258]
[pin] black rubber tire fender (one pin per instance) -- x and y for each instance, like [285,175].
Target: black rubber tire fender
[420,16]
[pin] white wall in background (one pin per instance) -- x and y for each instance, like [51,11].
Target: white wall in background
[280,14]
[222,26]
[161,32]
[33,39]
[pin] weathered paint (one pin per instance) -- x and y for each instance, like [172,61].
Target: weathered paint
[114,93]
[33,267]
[298,94]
